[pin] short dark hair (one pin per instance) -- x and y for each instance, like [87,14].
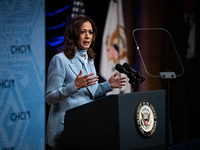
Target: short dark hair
[72,34]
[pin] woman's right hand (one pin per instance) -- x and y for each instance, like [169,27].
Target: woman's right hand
[84,81]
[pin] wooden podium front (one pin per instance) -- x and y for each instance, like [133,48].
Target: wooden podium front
[110,123]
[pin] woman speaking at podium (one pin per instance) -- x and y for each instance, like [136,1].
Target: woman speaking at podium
[71,77]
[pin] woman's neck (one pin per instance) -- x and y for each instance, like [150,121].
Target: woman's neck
[81,52]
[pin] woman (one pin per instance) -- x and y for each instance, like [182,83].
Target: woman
[72,79]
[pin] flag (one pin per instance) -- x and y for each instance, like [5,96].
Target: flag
[114,44]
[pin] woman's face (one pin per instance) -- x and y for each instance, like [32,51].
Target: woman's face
[86,35]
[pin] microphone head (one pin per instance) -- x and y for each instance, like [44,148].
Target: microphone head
[127,66]
[119,68]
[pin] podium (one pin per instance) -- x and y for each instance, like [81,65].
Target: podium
[110,123]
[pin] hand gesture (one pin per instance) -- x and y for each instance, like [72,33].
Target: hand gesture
[117,82]
[84,81]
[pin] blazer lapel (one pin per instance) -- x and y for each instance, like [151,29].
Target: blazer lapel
[75,65]
[92,67]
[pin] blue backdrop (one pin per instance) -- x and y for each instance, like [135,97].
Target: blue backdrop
[22,74]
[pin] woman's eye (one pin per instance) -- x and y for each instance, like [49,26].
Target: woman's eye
[88,32]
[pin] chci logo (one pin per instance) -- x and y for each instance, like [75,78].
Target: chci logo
[146,118]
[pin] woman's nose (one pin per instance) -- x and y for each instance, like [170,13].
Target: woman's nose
[87,35]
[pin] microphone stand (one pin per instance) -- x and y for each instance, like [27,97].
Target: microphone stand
[135,81]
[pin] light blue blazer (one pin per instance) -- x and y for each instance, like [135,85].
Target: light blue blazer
[62,94]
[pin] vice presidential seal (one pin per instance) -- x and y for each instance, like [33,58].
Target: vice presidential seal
[146,118]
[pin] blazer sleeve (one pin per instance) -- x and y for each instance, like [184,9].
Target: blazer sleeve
[103,88]
[56,91]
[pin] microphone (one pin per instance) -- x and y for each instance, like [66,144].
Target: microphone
[121,69]
[130,69]
[138,75]
[135,77]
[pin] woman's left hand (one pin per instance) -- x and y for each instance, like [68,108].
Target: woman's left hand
[117,82]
